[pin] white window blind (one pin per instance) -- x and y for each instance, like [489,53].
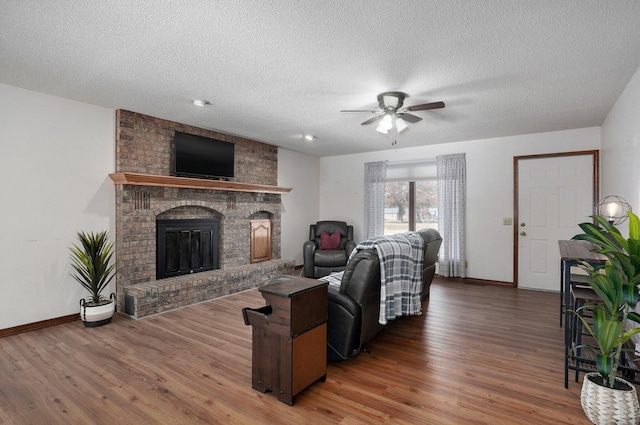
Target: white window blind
[412,170]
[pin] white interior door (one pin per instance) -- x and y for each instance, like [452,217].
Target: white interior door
[555,194]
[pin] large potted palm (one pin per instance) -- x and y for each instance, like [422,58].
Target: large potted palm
[606,398]
[91,260]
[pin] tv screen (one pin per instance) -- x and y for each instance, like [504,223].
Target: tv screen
[203,157]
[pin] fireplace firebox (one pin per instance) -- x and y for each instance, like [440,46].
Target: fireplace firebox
[186,246]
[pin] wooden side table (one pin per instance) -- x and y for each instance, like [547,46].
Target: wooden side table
[289,346]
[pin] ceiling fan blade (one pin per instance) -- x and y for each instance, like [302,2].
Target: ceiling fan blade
[425,106]
[409,118]
[369,111]
[372,120]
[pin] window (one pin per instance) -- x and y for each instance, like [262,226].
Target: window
[410,206]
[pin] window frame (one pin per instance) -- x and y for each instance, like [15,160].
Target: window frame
[412,194]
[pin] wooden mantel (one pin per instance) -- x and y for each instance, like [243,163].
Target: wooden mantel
[139,179]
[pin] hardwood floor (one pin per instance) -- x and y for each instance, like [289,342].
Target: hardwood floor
[477,355]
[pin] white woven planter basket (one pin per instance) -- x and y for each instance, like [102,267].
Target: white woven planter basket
[97,315]
[608,406]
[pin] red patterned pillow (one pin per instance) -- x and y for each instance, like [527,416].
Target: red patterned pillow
[330,241]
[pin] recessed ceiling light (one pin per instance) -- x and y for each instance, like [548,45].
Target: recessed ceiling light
[310,137]
[200,102]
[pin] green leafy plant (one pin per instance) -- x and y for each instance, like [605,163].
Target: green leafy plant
[616,283]
[92,264]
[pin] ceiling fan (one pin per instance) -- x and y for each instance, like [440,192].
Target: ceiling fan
[392,114]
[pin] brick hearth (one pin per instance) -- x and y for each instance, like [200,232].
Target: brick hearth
[157,296]
[144,145]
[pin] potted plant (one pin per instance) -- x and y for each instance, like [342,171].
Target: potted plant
[605,396]
[91,261]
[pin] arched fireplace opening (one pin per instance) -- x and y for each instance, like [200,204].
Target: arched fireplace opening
[186,246]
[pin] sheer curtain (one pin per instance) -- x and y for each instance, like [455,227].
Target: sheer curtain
[374,182]
[451,213]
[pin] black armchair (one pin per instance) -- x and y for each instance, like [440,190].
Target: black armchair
[320,261]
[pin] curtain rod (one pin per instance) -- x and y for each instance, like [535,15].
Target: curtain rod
[411,161]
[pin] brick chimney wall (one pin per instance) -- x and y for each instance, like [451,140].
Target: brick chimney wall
[144,144]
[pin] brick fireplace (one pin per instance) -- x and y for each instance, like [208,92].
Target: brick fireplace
[146,193]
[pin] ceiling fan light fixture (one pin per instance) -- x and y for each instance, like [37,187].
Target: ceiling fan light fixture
[401,125]
[392,115]
[385,125]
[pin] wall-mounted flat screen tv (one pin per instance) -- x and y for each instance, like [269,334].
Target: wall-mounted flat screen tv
[203,157]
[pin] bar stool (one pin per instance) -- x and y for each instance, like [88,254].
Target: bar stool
[580,297]
[576,279]
[580,280]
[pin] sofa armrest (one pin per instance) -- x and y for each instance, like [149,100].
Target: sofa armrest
[343,326]
[350,232]
[308,249]
[343,300]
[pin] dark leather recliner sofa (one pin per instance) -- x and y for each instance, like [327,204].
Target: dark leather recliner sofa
[354,307]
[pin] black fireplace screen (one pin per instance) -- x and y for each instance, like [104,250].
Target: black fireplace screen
[186,246]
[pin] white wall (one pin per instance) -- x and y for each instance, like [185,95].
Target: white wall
[300,206]
[621,151]
[489,189]
[54,166]
[620,160]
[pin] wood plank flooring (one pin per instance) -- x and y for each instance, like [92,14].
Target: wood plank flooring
[477,355]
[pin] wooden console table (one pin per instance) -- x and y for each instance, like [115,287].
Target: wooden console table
[289,348]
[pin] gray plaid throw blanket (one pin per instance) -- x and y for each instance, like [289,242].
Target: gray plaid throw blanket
[401,264]
[334,279]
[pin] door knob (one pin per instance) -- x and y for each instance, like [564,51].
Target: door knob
[522,224]
[523,233]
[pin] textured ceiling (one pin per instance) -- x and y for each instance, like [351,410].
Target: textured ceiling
[275,70]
